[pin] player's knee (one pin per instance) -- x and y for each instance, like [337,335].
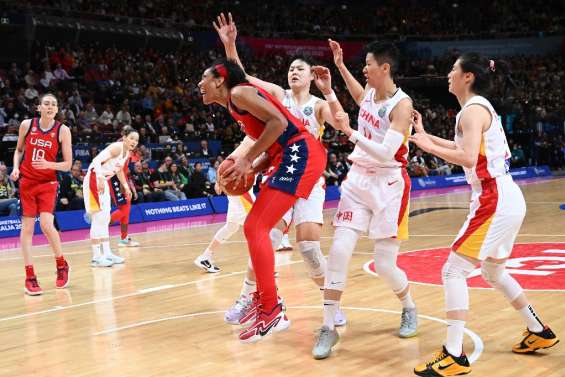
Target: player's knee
[313,258]
[496,275]
[385,254]
[456,267]
[338,260]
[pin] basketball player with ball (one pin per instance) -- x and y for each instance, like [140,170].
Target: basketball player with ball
[298,161]
[307,213]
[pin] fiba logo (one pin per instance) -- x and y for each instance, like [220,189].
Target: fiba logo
[308,110]
[382,111]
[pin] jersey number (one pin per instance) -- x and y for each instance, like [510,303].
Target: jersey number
[37,154]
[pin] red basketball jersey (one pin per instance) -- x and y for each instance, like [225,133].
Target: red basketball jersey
[253,127]
[40,144]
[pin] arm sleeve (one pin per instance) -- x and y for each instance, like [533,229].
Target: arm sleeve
[380,151]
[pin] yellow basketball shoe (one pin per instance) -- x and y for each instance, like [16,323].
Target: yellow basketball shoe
[444,364]
[536,340]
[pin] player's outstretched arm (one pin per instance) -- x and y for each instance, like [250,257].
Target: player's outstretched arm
[227,31]
[353,86]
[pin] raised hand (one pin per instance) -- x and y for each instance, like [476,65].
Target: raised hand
[417,122]
[226,28]
[322,79]
[337,52]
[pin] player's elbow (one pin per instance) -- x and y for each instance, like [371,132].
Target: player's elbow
[469,163]
[67,165]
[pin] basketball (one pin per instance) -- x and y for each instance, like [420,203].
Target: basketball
[233,188]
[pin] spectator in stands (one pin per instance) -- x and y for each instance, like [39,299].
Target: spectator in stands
[335,171]
[8,200]
[418,166]
[199,185]
[123,117]
[204,151]
[70,190]
[143,186]
[180,180]
[439,166]
[61,74]
[185,168]
[106,118]
[518,157]
[162,179]
[212,173]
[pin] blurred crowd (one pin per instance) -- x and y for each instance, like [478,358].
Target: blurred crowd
[432,18]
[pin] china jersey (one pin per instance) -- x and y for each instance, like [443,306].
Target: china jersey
[253,127]
[306,113]
[40,144]
[373,123]
[494,153]
[110,167]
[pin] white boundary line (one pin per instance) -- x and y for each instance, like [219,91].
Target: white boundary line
[478,344]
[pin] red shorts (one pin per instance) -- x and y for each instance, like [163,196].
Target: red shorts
[37,197]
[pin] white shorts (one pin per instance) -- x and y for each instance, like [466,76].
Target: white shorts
[239,207]
[309,210]
[95,201]
[496,213]
[375,201]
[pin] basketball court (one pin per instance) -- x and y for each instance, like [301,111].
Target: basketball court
[158,315]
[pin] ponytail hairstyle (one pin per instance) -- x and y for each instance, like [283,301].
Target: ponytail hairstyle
[485,71]
[232,73]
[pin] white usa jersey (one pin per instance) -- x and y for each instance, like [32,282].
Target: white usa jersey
[306,113]
[373,123]
[494,153]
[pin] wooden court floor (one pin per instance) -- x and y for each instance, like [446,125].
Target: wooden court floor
[158,315]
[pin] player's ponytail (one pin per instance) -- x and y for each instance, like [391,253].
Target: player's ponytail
[232,73]
[485,71]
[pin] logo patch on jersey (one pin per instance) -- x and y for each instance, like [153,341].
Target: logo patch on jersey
[536,266]
[40,142]
[382,111]
[34,129]
[308,110]
[344,216]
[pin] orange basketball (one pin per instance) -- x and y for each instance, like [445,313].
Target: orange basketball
[232,188]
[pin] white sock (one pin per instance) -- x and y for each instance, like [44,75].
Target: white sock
[248,287]
[532,320]
[455,331]
[407,301]
[208,254]
[96,253]
[106,249]
[330,308]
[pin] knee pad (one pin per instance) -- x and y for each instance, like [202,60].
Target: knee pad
[454,275]
[386,252]
[226,232]
[99,225]
[496,275]
[313,258]
[339,257]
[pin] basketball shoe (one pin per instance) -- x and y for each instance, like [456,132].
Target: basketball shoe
[128,242]
[238,310]
[265,324]
[116,259]
[444,364]
[101,262]
[285,244]
[536,340]
[63,276]
[326,340]
[408,323]
[206,263]
[32,287]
